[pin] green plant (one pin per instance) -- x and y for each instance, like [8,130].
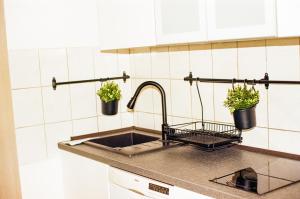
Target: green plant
[109,91]
[241,97]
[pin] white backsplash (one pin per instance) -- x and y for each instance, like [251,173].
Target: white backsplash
[44,117]
[276,113]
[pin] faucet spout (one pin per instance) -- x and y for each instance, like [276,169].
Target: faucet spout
[132,101]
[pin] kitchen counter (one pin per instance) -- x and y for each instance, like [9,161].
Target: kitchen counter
[190,168]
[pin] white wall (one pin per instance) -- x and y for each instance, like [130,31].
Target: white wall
[48,38]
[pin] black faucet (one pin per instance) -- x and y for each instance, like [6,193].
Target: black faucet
[132,101]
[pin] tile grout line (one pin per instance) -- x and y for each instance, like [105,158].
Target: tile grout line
[213,85]
[95,87]
[170,82]
[67,51]
[268,104]
[190,69]
[152,92]
[43,107]
[119,70]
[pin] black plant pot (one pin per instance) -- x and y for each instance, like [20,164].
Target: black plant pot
[245,118]
[110,108]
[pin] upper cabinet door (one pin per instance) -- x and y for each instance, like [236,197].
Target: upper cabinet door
[241,19]
[288,15]
[126,24]
[180,21]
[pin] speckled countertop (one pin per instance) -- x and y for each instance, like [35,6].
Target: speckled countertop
[190,168]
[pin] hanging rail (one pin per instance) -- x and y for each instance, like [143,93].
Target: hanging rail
[55,84]
[265,80]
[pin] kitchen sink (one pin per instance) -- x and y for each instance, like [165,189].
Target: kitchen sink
[124,140]
[130,143]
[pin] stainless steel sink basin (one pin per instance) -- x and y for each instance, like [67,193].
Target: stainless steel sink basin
[124,140]
[130,143]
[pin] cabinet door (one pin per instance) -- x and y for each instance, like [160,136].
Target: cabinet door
[288,15]
[180,21]
[84,178]
[241,19]
[126,24]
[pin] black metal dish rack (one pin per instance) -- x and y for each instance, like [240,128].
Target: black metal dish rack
[208,136]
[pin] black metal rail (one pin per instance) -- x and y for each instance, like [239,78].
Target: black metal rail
[265,80]
[55,84]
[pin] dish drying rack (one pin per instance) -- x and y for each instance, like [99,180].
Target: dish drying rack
[208,136]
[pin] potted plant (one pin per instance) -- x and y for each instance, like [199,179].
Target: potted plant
[242,101]
[110,94]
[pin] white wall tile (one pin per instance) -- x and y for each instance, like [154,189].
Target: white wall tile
[180,120]
[127,119]
[165,83]
[201,66]
[24,68]
[126,93]
[31,145]
[57,105]
[124,61]
[179,61]
[141,62]
[145,120]
[224,60]
[83,100]
[106,123]
[53,63]
[81,63]
[262,107]
[201,60]
[283,107]
[28,107]
[252,60]
[207,96]
[106,64]
[283,59]
[144,102]
[181,98]
[135,118]
[85,126]
[160,62]
[158,122]
[56,133]
[285,141]
[257,137]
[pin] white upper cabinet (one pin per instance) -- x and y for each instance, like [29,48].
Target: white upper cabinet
[288,15]
[126,24]
[51,23]
[180,21]
[241,19]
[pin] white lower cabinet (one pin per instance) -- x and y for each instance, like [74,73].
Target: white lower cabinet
[89,179]
[84,178]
